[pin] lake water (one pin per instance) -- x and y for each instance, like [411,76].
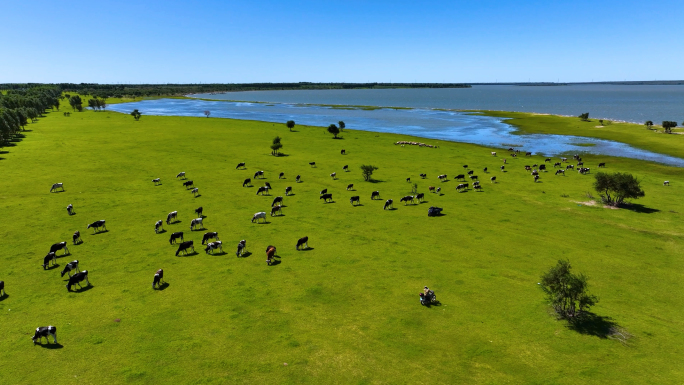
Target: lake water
[421,122]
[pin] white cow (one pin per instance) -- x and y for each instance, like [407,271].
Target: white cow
[56,186]
[259,215]
[196,222]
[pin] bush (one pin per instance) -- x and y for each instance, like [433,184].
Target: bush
[584,117]
[367,171]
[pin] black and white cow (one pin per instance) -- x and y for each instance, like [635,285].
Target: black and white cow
[356,199]
[557,164]
[277,200]
[59,246]
[326,197]
[97,225]
[438,190]
[288,190]
[312,164]
[569,167]
[542,167]
[267,185]
[175,236]
[350,186]
[420,197]
[218,245]
[298,179]
[460,177]
[199,211]
[70,209]
[184,247]
[375,194]
[259,215]
[172,215]
[536,178]
[477,186]
[188,184]
[50,257]
[241,248]
[56,186]
[247,182]
[560,172]
[423,176]
[388,204]
[76,238]
[197,222]
[276,209]
[406,199]
[442,177]
[325,190]
[181,175]
[492,179]
[71,266]
[471,172]
[2,288]
[157,181]
[262,190]
[462,186]
[210,235]
[333,175]
[281,175]
[259,174]
[240,165]
[45,332]
[304,241]
[158,278]
[195,192]
[502,168]
[580,163]
[345,168]
[158,226]
[77,278]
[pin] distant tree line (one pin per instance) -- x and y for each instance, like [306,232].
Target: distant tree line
[18,105]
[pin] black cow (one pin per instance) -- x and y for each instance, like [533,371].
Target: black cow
[59,246]
[157,181]
[536,178]
[547,160]
[420,197]
[477,186]
[423,176]
[97,225]
[465,166]
[184,247]
[388,204]
[50,257]
[471,172]
[602,165]
[473,177]
[375,194]
[45,332]
[266,184]
[493,179]
[299,178]
[277,200]
[281,175]
[460,176]
[434,211]
[77,278]
[580,164]
[159,277]
[557,164]
[76,237]
[71,266]
[326,197]
[241,164]
[343,152]
[188,184]
[560,172]
[356,199]
[542,167]
[262,190]
[502,168]
[258,174]
[170,216]
[302,242]
[528,154]
[408,179]
[2,288]
[210,235]
[288,190]
[346,168]
[350,186]
[406,199]
[70,209]
[199,211]
[247,182]
[312,164]
[175,236]
[485,169]
[325,190]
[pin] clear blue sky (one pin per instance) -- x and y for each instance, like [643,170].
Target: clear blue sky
[340,41]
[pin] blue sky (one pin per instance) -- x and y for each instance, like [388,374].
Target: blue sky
[340,41]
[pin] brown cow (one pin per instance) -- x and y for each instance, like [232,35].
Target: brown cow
[270,254]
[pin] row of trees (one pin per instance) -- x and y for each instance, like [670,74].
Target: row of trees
[17,106]
[667,125]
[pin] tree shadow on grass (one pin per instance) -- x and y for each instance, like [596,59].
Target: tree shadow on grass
[594,325]
[637,208]
[375,181]
[49,345]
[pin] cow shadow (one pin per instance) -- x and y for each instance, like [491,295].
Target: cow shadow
[49,346]
[55,266]
[81,290]
[162,231]
[263,223]
[307,249]
[421,202]
[357,205]
[163,286]
[99,232]
[436,304]
[198,195]
[290,195]
[438,215]
[246,254]
[219,253]
[637,208]
[391,209]
[190,254]
[4,297]
[72,213]
[274,261]
[329,202]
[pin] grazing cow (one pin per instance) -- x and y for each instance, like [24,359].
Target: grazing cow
[568,167]
[276,209]
[333,175]
[434,211]
[471,172]
[59,246]
[583,170]
[547,160]
[268,185]
[580,164]
[560,172]
[77,278]
[492,179]
[259,215]
[281,175]
[195,192]
[247,182]
[465,166]
[502,168]
[270,254]
[442,177]
[45,332]
[485,169]
[241,164]
[460,177]
[56,186]
[423,176]
[50,257]
[477,186]
[181,175]
[312,164]
[345,168]
[2,288]
[299,178]
[356,199]
[76,237]
[70,209]
[517,151]
[276,201]
[158,278]
[505,160]
[557,164]
[350,186]
[528,168]
[535,172]
[71,266]
[325,190]
[174,236]
[564,159]
[288,190]
[259,174]
[172,215]
[210,235]
[343,152]
[431,188]
[188,184]
[473,177]
[514,155]
[542,167]
[184,246]
[493,153]
[602,165]
[302,242]
[510,149]
[406,199]
[262,190]
[197,222]
[420,197]
[326,197]
[375,194]
[528,154]
[157,181]
[97,225]
[388,204]
[462,186]
[536,177]
[218,245]
[439,189]
[241,248]
[199,211]
[666,183]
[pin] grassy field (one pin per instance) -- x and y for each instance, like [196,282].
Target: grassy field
[346,311]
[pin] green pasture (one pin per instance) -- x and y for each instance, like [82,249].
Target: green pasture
[347,310]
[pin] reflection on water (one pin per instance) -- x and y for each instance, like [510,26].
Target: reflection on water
[426,123]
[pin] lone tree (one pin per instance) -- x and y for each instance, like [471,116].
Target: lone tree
[333,130]
[136,114]
[276,146]
[615,188]
[668,126]
[648,124]
[290,124]
[207,113]
[367,171]
[342,125]
[567,292]
[584,116]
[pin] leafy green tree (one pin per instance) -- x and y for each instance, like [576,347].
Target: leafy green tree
[567,292]
[92,103]
[32,114]
[615,188]
[668,126]
[207,113]
[333,130]
[57,104]
[136,114]
[649,124]
[290,124]
[275,146]
[342,125]
[75,101]
[367,171]
[584,116]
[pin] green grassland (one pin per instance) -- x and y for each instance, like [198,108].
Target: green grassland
[346,311]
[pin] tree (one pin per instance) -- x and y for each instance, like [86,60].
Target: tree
[567,292]
[648,124]
[367,171]
[207,113]
[584,116]
[276,146]
[92,103]
[290,124]
[333,130]
[668,126]
[57,104]
[75,102]
[342,125]
[136,114]
[615,188]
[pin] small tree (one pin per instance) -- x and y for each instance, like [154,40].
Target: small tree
[276,146]
[367,171]
[668,126]
[414,188]
[648,124]
[76,102]
[136,114]
[207,113]
[567,292]
[342,125]
[290,124]
[584,116]
[333,130]
[615,188]
[601,122]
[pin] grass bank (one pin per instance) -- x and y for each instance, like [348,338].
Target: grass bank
[346,311]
